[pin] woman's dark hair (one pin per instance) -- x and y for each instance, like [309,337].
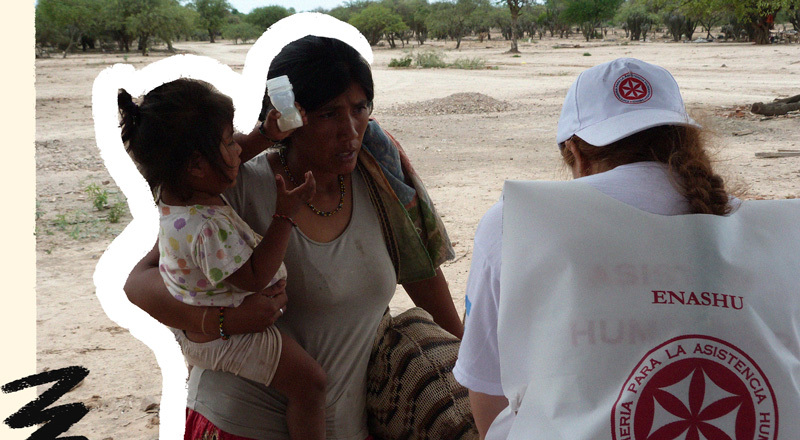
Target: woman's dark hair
[680,147]
[320,69]
[175,122]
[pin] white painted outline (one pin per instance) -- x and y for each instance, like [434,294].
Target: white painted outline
[138,237]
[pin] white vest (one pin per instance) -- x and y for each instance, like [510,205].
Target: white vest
[615,323]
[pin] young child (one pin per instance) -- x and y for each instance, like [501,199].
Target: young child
[181,137]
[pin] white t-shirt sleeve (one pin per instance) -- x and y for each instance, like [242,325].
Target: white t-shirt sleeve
[218,249]
[478,364]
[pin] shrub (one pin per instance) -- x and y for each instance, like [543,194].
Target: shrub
[241,31]
[99,196]
[430,59]
[402,62]
[116,212]
[469,63]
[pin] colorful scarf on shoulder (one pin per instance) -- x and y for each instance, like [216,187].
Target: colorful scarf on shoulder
[414,233]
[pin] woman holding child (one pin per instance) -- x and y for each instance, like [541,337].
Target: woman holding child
[368,226]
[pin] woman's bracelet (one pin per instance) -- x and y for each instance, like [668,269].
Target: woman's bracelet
[285,217]
[222,333]
[203,321]
[264,133]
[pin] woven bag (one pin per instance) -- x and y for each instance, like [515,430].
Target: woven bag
[411,391]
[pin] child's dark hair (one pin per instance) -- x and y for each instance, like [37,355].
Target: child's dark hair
[174,123]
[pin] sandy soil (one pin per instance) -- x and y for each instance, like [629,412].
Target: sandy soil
[501,126]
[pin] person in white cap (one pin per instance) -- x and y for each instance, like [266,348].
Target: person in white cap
[623,130]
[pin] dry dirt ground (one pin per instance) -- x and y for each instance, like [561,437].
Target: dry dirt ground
[466,131]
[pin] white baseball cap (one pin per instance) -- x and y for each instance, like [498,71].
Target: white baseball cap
[616,99]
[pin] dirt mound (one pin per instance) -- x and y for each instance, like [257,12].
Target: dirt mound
[457,103]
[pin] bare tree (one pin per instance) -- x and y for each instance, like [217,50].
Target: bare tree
[515,7]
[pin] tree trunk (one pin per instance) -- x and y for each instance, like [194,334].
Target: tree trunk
[689,28]
[789,100]
[69,46]
[761,28]
[779,107]
[760,34]
[74,35]
[587,30]
[514,19]
[123,43]
[211,36]
[143,44]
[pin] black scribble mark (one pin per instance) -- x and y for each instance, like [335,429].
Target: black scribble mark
[57,419]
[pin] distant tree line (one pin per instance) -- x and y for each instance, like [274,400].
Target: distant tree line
[126,25]
[400,21]
[123,24]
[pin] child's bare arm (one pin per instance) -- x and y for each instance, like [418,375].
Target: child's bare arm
[145,288]
[266,258]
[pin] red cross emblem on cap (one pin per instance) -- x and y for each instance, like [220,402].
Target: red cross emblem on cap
[632,88]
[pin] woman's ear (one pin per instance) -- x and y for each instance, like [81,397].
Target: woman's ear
[581,166]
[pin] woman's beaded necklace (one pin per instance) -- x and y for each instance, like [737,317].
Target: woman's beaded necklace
[282,156]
